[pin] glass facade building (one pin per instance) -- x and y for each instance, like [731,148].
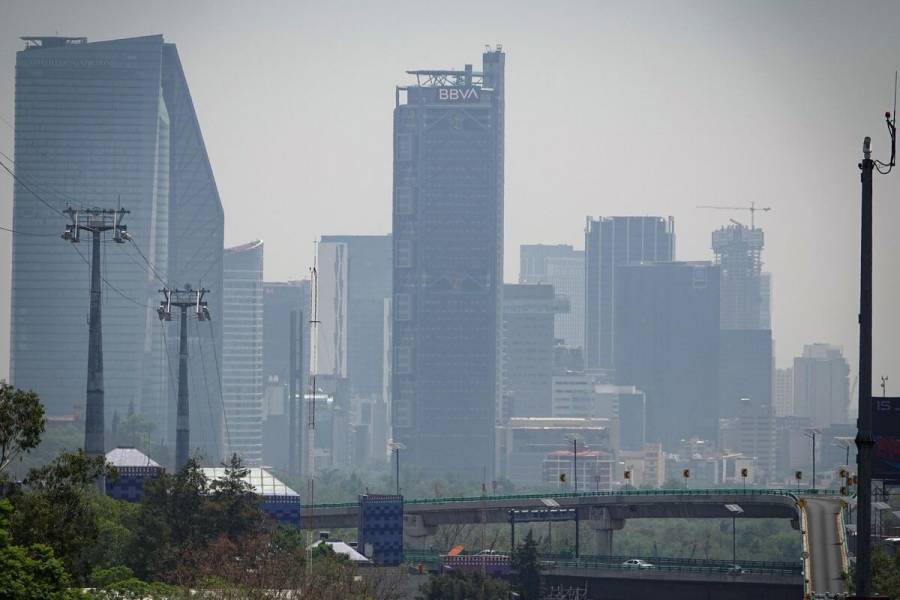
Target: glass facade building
[667,344]
[104,124]
[368,283]
[610,243]
[242,361]
[448,265]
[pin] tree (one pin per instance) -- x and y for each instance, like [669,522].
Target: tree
[28,572]
[55,509]
[526,569]
[463,586]
[21,422]
[234,506]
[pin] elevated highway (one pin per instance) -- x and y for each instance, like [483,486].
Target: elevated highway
[824,542]
[614,507]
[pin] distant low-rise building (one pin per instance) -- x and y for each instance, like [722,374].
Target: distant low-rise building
[524,443]
[595,470]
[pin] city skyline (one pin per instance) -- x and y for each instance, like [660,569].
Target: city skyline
[790,104]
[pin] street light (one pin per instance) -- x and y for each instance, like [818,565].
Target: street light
[735,510]
[396,447]
[811,433]
[845,443]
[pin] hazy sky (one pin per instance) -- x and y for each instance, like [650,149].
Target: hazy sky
[612,109]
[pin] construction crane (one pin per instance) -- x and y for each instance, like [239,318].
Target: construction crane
[752,208]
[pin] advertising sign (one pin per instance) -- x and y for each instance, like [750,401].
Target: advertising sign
[886,431]
[457,94]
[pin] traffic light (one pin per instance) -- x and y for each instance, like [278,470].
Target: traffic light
[843,490]
[628,475]
[562,477]
[843,473]
[798,475]
[686,473]
[744,472]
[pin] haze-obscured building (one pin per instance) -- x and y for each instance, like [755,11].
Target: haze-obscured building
[280,299]
[527,367]
[667,345]
[611,242]
[745,369]
[523,444]
[242,359]
[783,392]
[563,267]
[822,385]
[745,289]
[448,265]
[366,272]
[126,134]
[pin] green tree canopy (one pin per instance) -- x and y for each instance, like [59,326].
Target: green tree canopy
[526,567]
[21,422]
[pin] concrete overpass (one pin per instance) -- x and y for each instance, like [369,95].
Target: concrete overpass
[604,512]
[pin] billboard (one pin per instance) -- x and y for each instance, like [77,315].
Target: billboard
[886,431]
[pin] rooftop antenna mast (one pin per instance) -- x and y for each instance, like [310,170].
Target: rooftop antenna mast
[311,405]
[864,438]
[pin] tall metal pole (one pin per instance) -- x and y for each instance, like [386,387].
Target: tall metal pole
[864,440]
[94,434]
[733,540]
[397,466]
[182,428]
[292,398]
[575,462]
[814,459]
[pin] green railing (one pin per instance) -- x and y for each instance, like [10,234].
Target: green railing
[615,563]
[789,492]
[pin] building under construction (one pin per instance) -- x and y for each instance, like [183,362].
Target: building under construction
[745,288]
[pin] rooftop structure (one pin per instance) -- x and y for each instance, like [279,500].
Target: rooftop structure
[261,481]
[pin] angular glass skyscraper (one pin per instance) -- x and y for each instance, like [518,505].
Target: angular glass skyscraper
[448,265]
[103,124]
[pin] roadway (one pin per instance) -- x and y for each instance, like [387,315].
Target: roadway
[825,547]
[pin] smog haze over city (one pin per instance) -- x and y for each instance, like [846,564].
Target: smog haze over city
[311,260]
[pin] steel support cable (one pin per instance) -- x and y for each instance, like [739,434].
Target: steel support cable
[212,336]
[206,385]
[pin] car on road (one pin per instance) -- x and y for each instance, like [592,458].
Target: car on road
[736,570]
[637,563]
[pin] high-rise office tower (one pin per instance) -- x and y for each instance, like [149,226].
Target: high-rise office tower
[448,264]
[527,367]
[822,385]
[563,267]
[745,288]
[242,361]
[667,344]
[610,242]
[362,265]
[126,134]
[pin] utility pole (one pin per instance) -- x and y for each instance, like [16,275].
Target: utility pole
[864,438]
[97,221]
[292,397]
[183,299]
[864,441]
[575,462]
